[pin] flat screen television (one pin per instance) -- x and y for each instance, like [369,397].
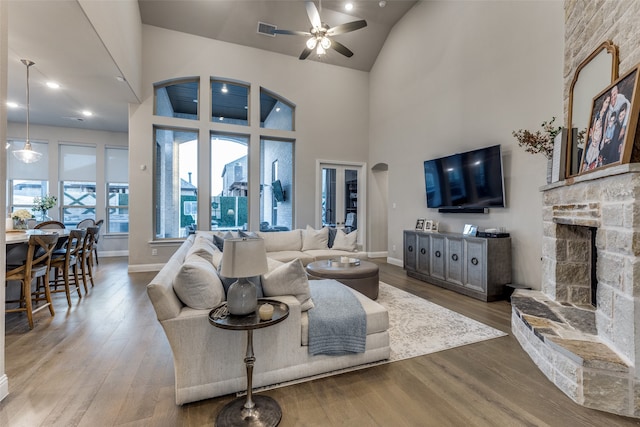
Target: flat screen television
[468,180]
[278,192]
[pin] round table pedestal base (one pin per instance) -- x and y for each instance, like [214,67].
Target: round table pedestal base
[266,412]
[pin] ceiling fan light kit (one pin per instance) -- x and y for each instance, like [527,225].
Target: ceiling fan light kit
[320,33]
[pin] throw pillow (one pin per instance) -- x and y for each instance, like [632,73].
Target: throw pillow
[248,234]
[197,284]
[218,239]
[332,236]
[345,242]
[315,239]
[204,247]
[289,279]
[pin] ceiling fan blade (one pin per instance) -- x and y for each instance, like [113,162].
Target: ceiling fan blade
[345,28]
[292,32]
[340,48]
[305,53]
[314,15]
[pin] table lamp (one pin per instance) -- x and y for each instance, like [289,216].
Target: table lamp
[243,258]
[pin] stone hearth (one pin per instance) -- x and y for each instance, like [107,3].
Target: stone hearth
[590,353]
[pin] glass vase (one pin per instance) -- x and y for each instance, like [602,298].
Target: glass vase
[19,224]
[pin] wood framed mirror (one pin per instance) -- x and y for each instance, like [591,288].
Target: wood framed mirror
[594,74]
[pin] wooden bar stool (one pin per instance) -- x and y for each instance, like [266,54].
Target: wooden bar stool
[86,256]
[36,265]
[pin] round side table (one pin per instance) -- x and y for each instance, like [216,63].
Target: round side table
[258,410]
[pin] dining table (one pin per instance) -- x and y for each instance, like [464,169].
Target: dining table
[22,236]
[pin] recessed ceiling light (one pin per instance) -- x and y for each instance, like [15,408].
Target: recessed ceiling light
[348,6]
[11,104]
[53,85]
[87,113]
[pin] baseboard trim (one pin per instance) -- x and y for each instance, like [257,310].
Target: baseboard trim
[377,254]
[395,261]
[109,254]
[145,268]
[4,386]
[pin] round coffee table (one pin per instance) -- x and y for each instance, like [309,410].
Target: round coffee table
[254,410]
[363,276]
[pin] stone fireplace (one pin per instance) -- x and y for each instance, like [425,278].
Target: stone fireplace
[582,328]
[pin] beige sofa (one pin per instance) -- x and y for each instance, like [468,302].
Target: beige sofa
[208,361]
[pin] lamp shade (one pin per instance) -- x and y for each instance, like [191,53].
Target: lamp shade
[243,258]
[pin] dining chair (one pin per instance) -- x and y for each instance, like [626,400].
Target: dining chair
[64,262]
[35,265]
[89,222]
[86,256]
[97,237]
[49,225]
[31,223]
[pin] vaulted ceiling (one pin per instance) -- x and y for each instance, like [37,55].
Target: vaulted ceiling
[59,38]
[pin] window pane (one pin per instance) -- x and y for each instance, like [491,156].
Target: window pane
[117,165]
[276,177]
[177,100]
[176,176]
[275,113]
[229,103]
[22,193]
[229,184]
[117,208]
[78,202]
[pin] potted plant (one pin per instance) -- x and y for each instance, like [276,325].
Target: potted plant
[539,141]
[43,204]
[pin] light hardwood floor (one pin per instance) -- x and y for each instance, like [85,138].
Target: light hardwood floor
[106,362]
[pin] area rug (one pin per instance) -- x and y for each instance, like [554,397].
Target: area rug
[417,327]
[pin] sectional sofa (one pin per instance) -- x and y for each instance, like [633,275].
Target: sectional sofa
[208,361]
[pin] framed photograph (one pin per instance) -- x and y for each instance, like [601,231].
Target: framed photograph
[420,224]
[612,125]
[428,224]
[434,226]
[470,230]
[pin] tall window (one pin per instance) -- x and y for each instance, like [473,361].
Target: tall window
[26,180]
[117,178]
[175,181]
[176,159]
[229,181]
[77,171]
[276,183]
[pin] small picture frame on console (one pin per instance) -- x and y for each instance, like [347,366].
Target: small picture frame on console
[470,230]
[428,225]
[420,224]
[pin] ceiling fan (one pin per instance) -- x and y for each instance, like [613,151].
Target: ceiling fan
[320,33]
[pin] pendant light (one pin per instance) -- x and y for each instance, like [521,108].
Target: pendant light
[27,154]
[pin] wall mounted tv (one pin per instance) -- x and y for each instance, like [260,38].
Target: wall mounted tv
[469,182]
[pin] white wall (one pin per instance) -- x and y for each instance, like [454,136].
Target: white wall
[331,120]
[455,76]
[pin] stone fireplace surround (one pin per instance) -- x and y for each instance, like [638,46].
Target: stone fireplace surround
[590,353]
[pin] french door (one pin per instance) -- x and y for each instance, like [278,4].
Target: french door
[340,196]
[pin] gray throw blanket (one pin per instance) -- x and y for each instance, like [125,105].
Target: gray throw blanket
[337,323]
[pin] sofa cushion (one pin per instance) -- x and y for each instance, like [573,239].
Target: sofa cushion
[203,246]
[315,239]
[289,279]
[197,284]
[345,242]
[286,256]
[282,240]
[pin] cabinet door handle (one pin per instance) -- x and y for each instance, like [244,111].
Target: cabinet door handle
[423,251]
[410,248]
[454,257]
[474,261]
[438,254]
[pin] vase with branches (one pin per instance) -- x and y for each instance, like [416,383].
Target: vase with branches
[540,141]
[43,204]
